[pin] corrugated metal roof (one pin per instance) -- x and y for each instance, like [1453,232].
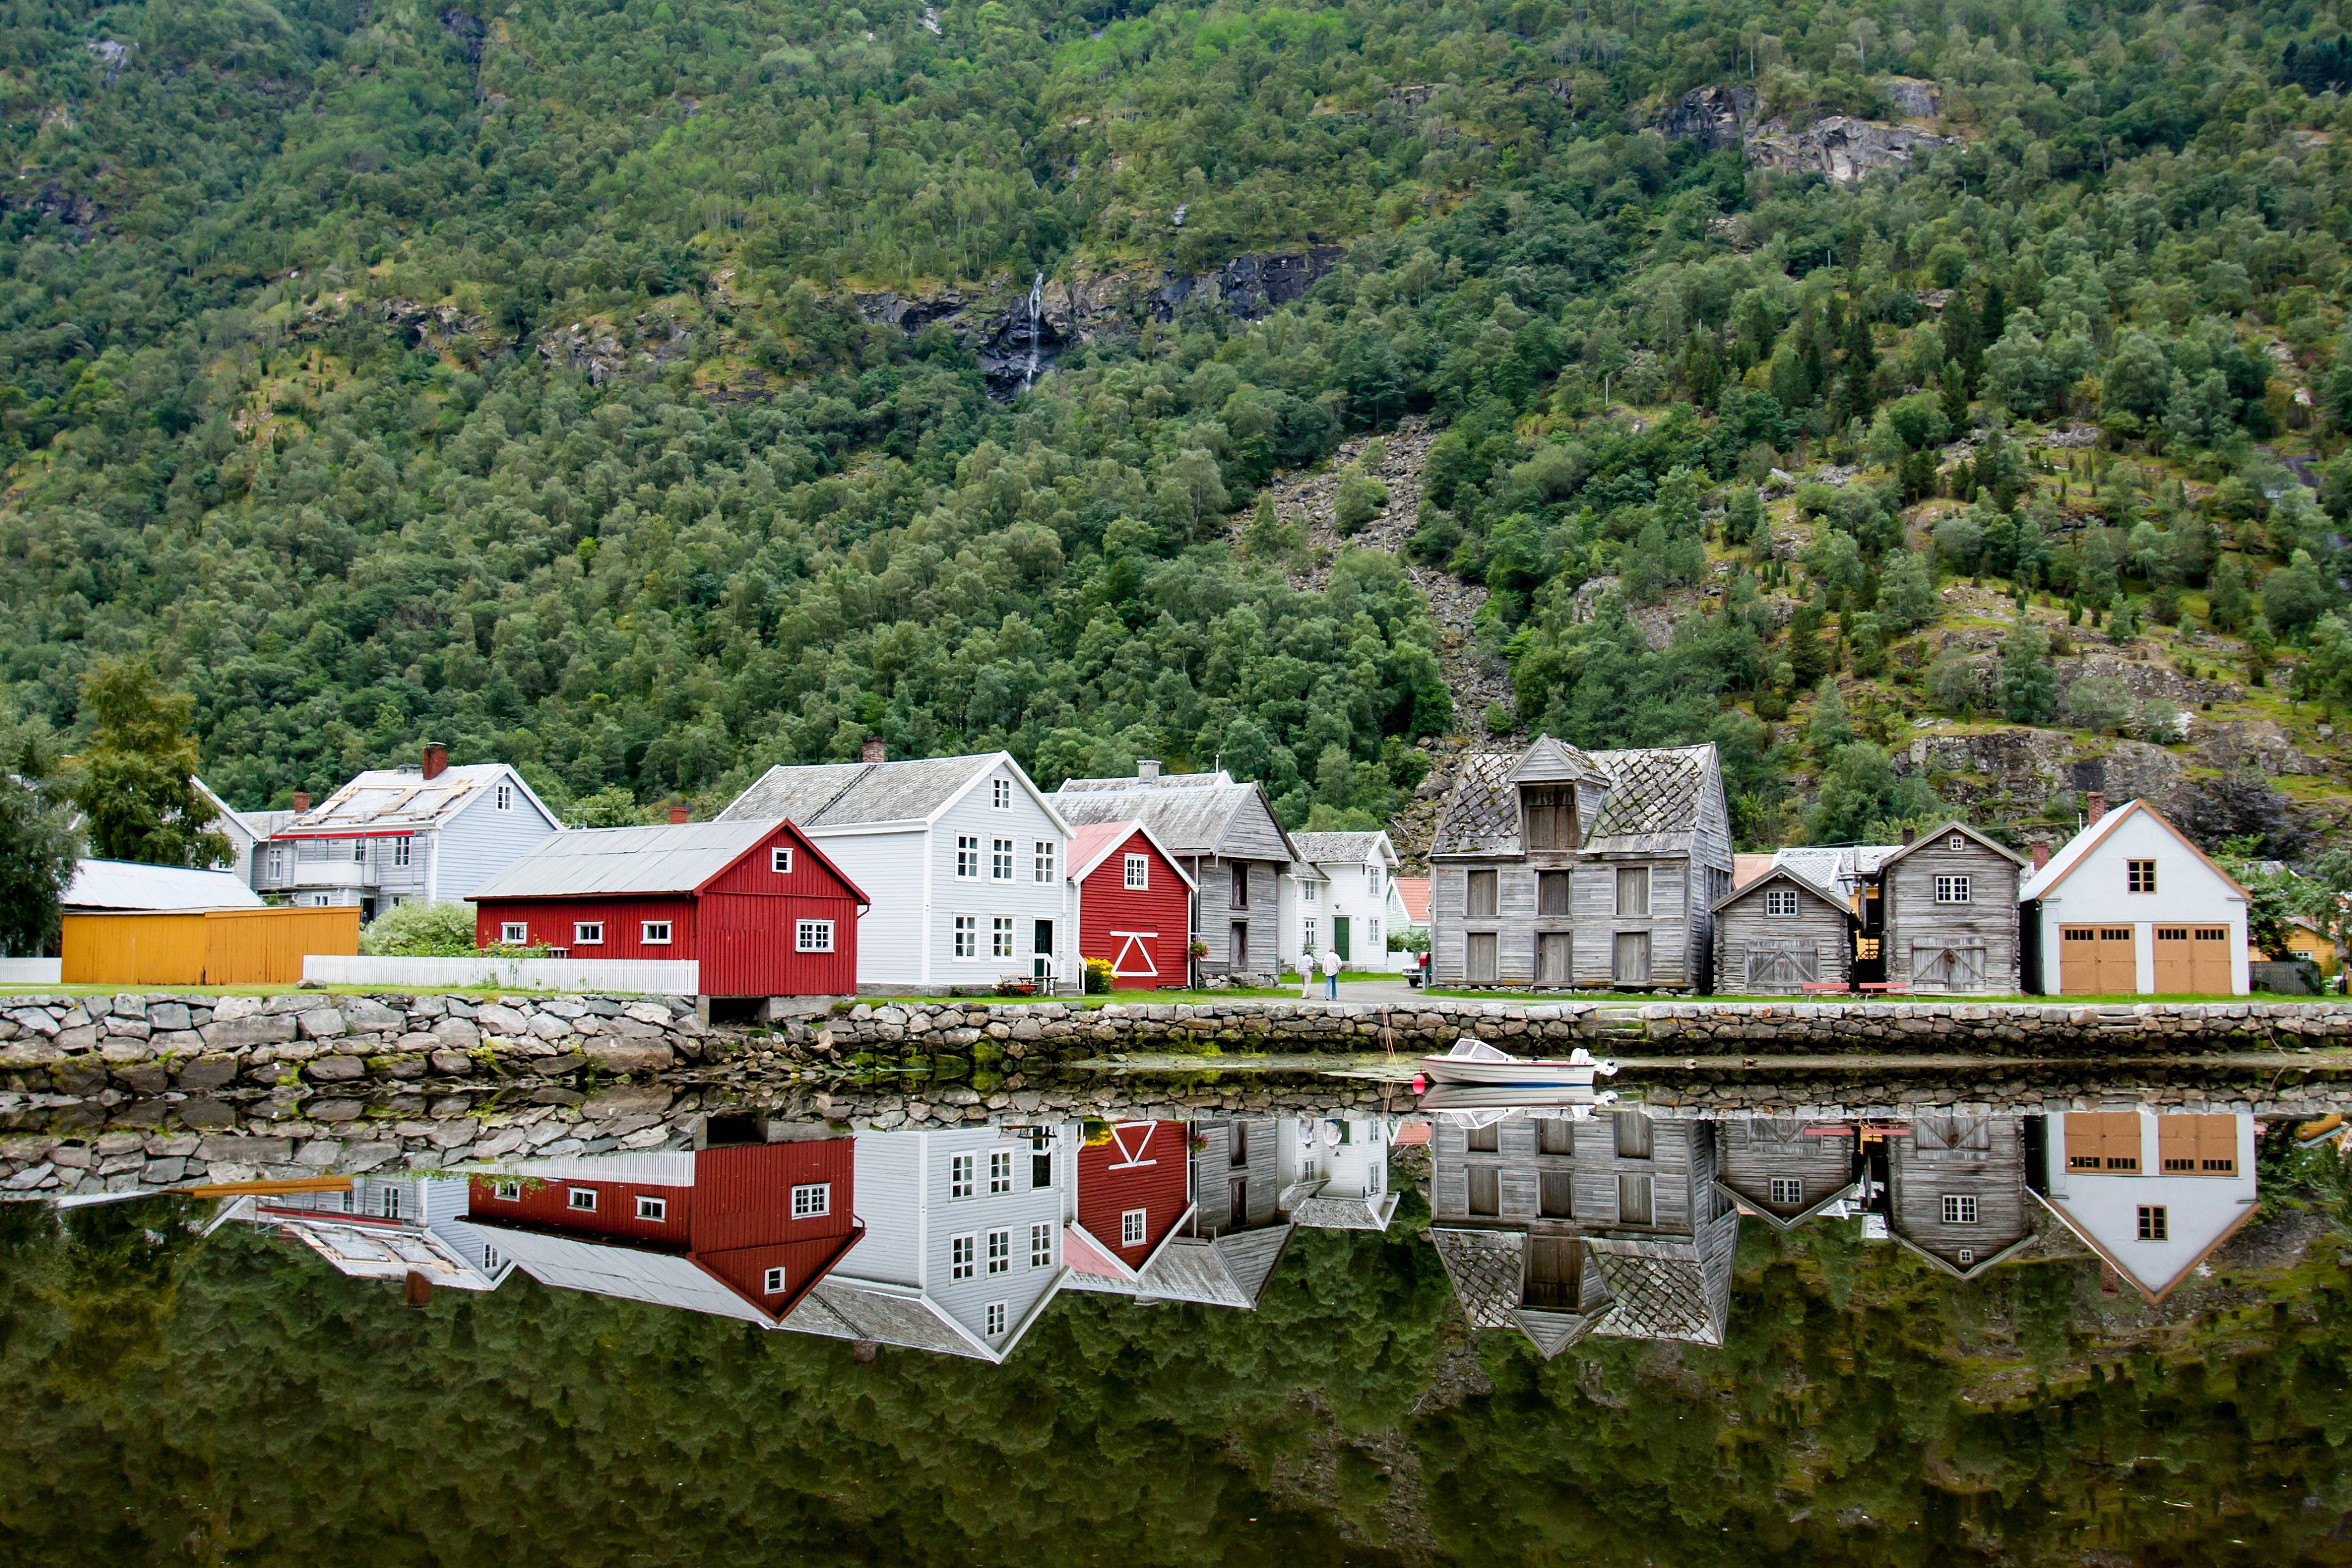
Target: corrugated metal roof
[843,794]
[668,858]
[1326,849]
[131,885]
[631,1273]
[1653,802]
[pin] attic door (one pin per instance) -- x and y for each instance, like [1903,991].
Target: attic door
[1550,815]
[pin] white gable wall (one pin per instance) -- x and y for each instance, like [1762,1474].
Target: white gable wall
[480,841]
[887,867]
[2097,892]
[985,898]
[2106,1207]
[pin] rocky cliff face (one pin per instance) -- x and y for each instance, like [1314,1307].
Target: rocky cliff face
[1716,116]
[1843,148]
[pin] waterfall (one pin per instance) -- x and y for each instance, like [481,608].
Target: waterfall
[1037,315]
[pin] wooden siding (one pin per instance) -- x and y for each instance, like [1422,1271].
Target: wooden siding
[1681,1167]
[1215,915]
[1141,1165]
[216,947]
[481,841]
[1982,1157]
[550,921]
[1754,1152]
[1214,1173]
[1743,929]
[1107,905]
[1988,921]
[1252,833]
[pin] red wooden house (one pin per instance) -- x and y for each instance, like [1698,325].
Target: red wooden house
[1133,1191]
[756,904]
[738,1232]
[1135,904]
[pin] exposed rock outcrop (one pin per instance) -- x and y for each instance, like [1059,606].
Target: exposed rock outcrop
[1716,116]
[1845,150]
[1913,98]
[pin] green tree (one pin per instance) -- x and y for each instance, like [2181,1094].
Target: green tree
[2029,686]
[1860,790]
[39,847]
[1828,729]
[1907,591]
[136,779]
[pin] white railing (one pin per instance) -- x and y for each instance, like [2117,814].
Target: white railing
[31,971]
[681,977]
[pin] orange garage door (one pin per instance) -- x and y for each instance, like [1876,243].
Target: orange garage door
[2196,1144]
[2193,960]
[2097,961]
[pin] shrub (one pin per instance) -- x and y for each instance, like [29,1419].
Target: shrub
[2098,702]
[421,931]
[1360,499]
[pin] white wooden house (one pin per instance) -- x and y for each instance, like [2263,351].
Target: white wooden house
[2130,905]
[962,856]
[393,835]
[1335,1172]
[389,1228]
[1341,893]
[2151,1192]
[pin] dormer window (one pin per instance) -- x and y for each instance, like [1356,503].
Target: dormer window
[1550,813]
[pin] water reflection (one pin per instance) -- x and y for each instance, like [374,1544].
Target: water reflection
[1558,1222]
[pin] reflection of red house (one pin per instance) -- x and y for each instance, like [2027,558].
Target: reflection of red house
[1135,904]
[1132,1192]
[740,1232]
[758,905]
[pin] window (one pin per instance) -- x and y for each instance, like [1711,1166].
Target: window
[1040,1163]
[1478,897]
[960,1175]
[1000,794]
[1372,934]
[1957,842]
[1373,881]
[1633,1134]
[507,1191]
[1633,891]
[967,936]
[400,851]
[490,1259]
[1485,1140]
[1965,1256]
[812,1200]
[773,1283]
[506,797]
[812,936]
[962,1253]
[1551,817]
[2152,1223]
[1040,1246]
[1139,871]
[389,1205]
[1780,901]
[1484,1189]
[1951,890]
[1307,937]
[514,933]
[1042,859]
[1000,1171]
[359,851]
[994,1318]
[1788,1189]
[584,1198]
[1240,885]
[999,860]
[1959,1208]
[1307,891]
[655,1209]
[1241,1143]
[780,861]
[656,934]
[1553,891]
[966,856]
[1000,1251]
[2140,875]
[587,933]
[1000,936]
[1130,1227]
[276,864]
[1635,1202]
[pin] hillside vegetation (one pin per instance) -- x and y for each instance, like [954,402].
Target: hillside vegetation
[609,387]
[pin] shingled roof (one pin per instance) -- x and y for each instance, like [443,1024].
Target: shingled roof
[824,795]
[1190,813]
[1667,1290]
[1653,801]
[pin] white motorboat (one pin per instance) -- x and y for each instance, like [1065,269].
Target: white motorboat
[1473,1062]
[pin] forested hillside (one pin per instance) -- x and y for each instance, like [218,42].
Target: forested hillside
[642,392]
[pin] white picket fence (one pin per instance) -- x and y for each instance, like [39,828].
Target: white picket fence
[31,971]
[647,976]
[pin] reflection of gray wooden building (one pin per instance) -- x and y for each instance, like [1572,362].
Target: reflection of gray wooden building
[1563,1228]
[1955,1191]
[1785,1170]
[1779,934]
[1558,867]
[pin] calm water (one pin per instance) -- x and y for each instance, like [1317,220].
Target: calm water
[1561,1334]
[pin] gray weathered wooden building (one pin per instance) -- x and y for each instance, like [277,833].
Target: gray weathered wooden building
[1948,902]
[1555,867]
[1785,1170]
[1779,934]
[1955,1191]
[1225,833]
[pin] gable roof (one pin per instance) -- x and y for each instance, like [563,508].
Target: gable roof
[1844,867]
[1655,795]
[1750,1205]
[135,886]
[2080,847]
[1230,1270]
[1956,1271]
[2119,1261]
[1091,843]
[1953,826]
[401,799]
[1414,892]
[1328,849]
[1192,813]
[1549,761]
[1787,874]
[1634,1289]
[1368,1212]
[679,857]
[818,795]
[252,825]
[662,1276]
[888,1314]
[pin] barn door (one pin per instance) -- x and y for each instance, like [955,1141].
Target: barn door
[1782,965]
[1632,959]
[1941,966]
[2210,966]
[1554,959]
[2176,963]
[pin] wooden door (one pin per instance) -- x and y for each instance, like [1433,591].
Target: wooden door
[1782,965]
[1554,959]
[2104,1141]
[1237,949]
[1484,1189]
[2097,961]
[1942,966]
[2209,947]
[1632,959]
[2176,967]
[1558,1197]
[1478,958]
[2197,1144]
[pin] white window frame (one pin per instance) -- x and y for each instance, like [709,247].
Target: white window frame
[1307,889]
[587,933]
[1780,901]
[779,859]
[653,1210]
[506,797]
[1307,943]
[963,1175]
[1040,1246]
[514,933]
[1953,889]
[812,1200]
[581,1200]
[1000,1251]
[1959,1208]
[993,1318]
[358,852]
[507,1191]
[650,926]
[963,1258]
[1139,873]
[773,1282]
[812,936]
[1044,853]
[967,857]
[967,936]
[1000,936]
[999,860]
[400,850]
[1134,1225]
[1957,842]
[1000,794]
[1000,1171]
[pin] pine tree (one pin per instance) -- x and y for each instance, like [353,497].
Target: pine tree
[2029,686]
[135,781]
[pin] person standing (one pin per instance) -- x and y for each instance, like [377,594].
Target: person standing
[1331,975]
[1306,975]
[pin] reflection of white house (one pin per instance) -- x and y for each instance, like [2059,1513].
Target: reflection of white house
[2129,905]
[1335,1172]
[2153,1194]
[1341,894]
[964,1241]
[388,1228]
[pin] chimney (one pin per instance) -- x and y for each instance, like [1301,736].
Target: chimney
[419,1289]
[2095,806]
[1147,768]
[679,816]
[302,802]
[2040,855]
[873,751]
[1906,835]
[436,760]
